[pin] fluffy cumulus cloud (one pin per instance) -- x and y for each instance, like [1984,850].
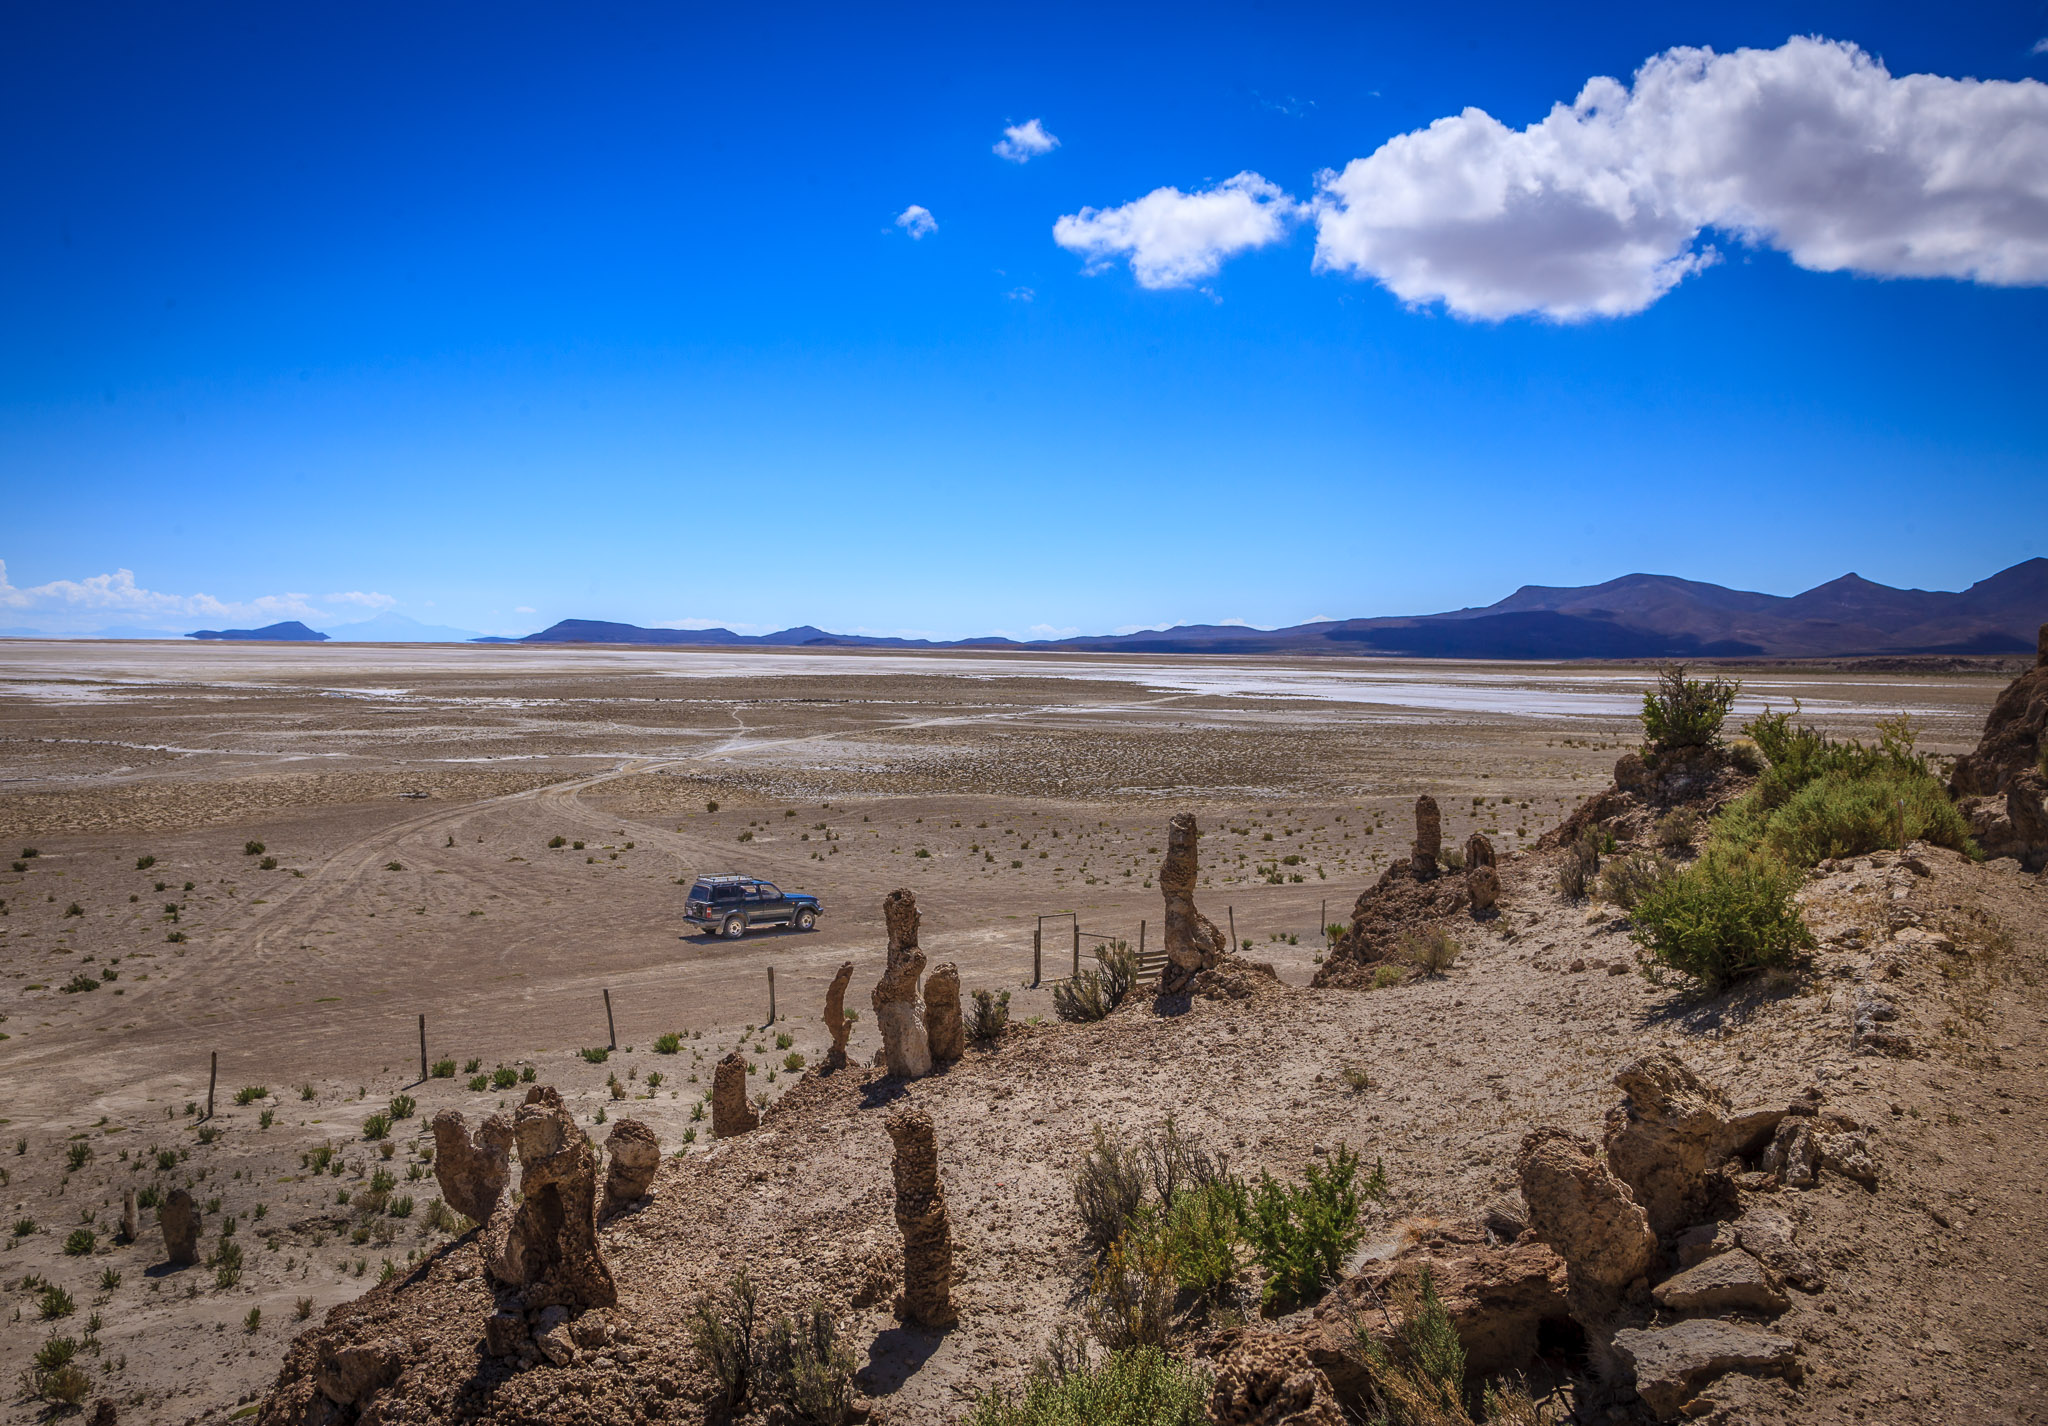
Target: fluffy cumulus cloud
[1174,239]
[77,605]
[917,220]
[1812,148]
[1024,142]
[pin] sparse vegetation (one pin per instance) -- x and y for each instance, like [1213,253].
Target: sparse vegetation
[1109,1187]
[252,849]
[402,1106]
[989,1015]
[78,1243]
[1070,1386]
[722,1331]
[598,1055]
[144,863]
[250,1093]
[1430,949]
[1683,712]
[55,1302]
[1301,1234]
[444,1069]
[377,1126]
[807,1369]
[1093,994]
[667,1044]
[1627,881]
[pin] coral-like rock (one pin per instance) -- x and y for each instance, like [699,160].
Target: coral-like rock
[906,1044]
[350,1373]
[1478,851]
[1671,1364]
[472,1169]
[945,1030]
[730,1112]
[1429,837]
[1265,1380]
[1673,1131]
[547,1250]
[1497,1296]
[1193,942]
[2011,743]
[1482,885]
[633,1153]
[1588,1215]
[179,1218]
[836,1021]
[921,1215]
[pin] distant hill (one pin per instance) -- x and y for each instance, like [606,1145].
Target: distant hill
[397,629]
[291,631]
[1636,616]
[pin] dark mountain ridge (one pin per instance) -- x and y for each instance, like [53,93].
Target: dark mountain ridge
[291,631]
[1635,616]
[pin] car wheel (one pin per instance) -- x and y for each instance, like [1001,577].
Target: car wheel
[735,927]
[806,919]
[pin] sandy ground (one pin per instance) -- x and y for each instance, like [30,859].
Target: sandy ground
[418,789]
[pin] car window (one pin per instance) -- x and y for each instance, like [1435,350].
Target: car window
[769,893]
[700,892]
[753,892]
[727,892]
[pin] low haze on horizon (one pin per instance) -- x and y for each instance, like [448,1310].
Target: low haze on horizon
[942,325]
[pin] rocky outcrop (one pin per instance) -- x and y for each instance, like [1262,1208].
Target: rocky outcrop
[899,1015]
[945,1030]
[131,1217]
[1588,1216]
[1726,1282]
[2013,731]
[546,1249]
[1672,1134]
[921,1216]
[351,1373]
[472,1170]
[730,1112]
[1478,851]
[1429,837]
[1482,887]
[632,1154]
[1193,942]
[179,1218]
[1266,1380]
[836,1021]
[1497,1296]
[1671,1364]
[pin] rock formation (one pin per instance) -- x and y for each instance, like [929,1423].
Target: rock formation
[1264,1380]
[131,1217]
[730,1112]
[472,1171]
[546,1249]
[1672,1363]
[633,1153]
[906,1045]
[1193,942]
[1587,1214]
[921,1215]
[2013,730]
[1482,885]
[1478,851]
[179,1218]
[1429,837]
[1497,1296]
[1726,1282]
[944,1028]
[1671,1133]
[835,1017]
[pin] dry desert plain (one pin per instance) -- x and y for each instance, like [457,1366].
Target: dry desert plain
[405,800]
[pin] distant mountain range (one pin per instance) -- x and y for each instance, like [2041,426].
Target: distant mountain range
[1636,616]
[291,631]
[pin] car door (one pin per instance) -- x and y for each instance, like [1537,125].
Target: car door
[774,905]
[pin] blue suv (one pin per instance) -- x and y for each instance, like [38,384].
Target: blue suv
[728,905]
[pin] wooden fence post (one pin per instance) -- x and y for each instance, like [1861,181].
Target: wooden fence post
[1037,946]
[611,1030]
[423,1049]
[1141,940]
[212,1077]
[1077,947]
[1231,912]
[771,995]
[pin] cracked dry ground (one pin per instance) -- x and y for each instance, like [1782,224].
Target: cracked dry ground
[1926,1308]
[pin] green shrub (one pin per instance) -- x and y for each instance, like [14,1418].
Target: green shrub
[808,1369]
[1109,1186]
[667,1044]
[144,863]
[1679,830]
[402,1106]
[1847,815]
[1419,1378]
[558,841]
[76,1156]
[250,1093]
[478,1083]
[1203,1232]
[1130,1297]
[1302,1234]
[1728,915]
[252,849]
[598,1055]
[722,1331]
[55,1302]
[991,1013]
[1092,994]
[77,983]
[1625,882]
[79,1242]
[376,1126]
[1683,712]
[1142,1386]
[1430,949]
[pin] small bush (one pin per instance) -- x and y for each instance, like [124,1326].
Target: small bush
[1420,1376]
[472,1066]
[67,1385]
[1683,712]
[990,1014]
[1388,976]
[110,1278]
[78,983]
[1203,1232]
[24,1226]
[76,1156]
[402,1106]
[401,1207]
[667,1044]
[1679,830]
[267,864]
[1626,882]
[1571,878]
[598,1055]
[250,1093]
[302,1308]
[558,841]
[1728,915]
[252,1321]
[252,849]
[144,863]
[1109,1186]
[1355,1079]
[1302,1234]
[377,1126]
[79,1242]
[478,1083]
[722,1331]
[306,1092]
[1130,1298]
[1093,994]
[808,1369]
[1430,949]
[1142,1386]
[444,1069]
[54,1303]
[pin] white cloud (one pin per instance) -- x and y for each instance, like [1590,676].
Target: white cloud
[1173,238]
[2040,46]
[1022,294]
[917,220]
[1812,148]
[1052,631]
[1024,142]
[524,609]
[73,605]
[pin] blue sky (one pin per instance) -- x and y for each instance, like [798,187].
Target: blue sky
[493,315]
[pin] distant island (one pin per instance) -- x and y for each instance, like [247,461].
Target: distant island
[1636,616]
[291,631]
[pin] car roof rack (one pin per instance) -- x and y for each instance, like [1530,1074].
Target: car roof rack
[726,876]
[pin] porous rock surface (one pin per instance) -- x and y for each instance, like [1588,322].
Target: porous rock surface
[1264,1380]
[179,1218]
[1672,1363]
[472,1168]
[1498,1296]
[1408,894]
[1193,942]
[1671,1133]
[899,1014]
[1429,836]
[632,1154]
[836,1022]
[945,1030]
[1726,1282]
[1587,1215]
[921,1217]
[2011,743]
[546,1249]
[730,1112]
